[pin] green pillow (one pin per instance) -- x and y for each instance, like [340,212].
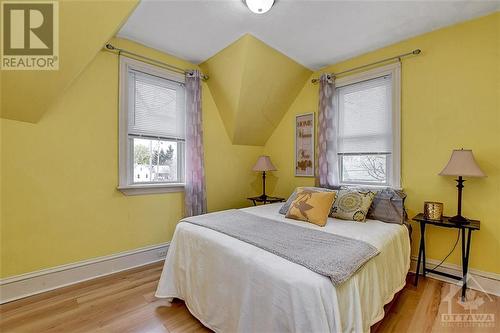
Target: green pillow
[351,204]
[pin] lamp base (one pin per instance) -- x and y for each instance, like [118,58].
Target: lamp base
[458,219]
[263,197]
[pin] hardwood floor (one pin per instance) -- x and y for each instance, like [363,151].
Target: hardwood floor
[125,302]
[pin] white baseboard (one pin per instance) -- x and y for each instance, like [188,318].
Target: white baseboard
[24,285]
[478,280]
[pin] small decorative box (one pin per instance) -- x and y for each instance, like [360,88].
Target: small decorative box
[433,210]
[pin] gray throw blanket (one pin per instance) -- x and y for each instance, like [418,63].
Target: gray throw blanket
[334,256]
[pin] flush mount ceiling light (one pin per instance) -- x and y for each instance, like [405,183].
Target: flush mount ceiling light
[259,6]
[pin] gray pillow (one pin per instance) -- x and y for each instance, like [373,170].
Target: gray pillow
[388,206]
[291,198]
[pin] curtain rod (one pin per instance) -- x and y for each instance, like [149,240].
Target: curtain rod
[414,52]
[110,48]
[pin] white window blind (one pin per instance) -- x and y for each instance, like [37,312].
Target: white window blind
[365,131]
[156,106]
[365,117]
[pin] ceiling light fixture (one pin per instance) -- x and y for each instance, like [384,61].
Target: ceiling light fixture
[259,6]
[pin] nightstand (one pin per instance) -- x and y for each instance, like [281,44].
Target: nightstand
[266,199]
[466,230]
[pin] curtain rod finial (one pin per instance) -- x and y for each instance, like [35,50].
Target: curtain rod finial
[110,47]
[417,51]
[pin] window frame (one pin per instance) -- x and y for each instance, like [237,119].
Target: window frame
[125,146]
[394,165]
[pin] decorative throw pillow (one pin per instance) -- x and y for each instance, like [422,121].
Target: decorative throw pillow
[352,204]
[293,196]
[388,206]
[311,206]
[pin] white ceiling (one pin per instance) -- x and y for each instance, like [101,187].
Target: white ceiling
[314,33]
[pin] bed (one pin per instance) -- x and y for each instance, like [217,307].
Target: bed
[232,286]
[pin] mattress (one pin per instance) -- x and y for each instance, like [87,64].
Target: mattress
[232,286]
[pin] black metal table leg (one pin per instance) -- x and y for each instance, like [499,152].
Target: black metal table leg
[423,253]
[420,250]
[418,265]
[465,260]
[464,231]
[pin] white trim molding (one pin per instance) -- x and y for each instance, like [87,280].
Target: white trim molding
[24,285]
[478,280]
[151,189]
[125,147]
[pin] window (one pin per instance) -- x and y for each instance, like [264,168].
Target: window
[368,128]
[152,126]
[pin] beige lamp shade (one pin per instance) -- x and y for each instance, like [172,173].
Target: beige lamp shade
[264,164]
[462,163]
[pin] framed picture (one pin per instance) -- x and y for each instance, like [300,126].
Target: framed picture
[304,145]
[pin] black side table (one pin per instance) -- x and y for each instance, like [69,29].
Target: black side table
[466,239]
[266,199]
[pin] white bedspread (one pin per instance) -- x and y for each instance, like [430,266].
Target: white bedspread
[232,286]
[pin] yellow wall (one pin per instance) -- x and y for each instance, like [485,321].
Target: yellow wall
[84,26]
[58,196]
[251,104]
[58,177]
[450,99]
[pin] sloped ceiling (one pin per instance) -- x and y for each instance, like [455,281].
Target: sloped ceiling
[253,86]
[84,27]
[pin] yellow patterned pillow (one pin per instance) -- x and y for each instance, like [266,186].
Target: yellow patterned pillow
[311,206]
[352,205]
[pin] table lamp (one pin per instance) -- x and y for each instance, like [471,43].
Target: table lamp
[461,164]
[264,164]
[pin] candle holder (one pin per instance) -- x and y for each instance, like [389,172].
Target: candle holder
[433,210]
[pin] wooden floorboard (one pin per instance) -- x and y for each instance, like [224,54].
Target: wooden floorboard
[125,302]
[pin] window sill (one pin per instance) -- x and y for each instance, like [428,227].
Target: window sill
[151,189]
[374,187]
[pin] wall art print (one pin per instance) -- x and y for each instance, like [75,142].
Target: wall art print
[304,145]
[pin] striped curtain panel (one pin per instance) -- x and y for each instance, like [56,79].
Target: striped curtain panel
[327,170]
[195,189]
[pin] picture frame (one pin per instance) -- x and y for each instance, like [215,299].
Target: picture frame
[304,145]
